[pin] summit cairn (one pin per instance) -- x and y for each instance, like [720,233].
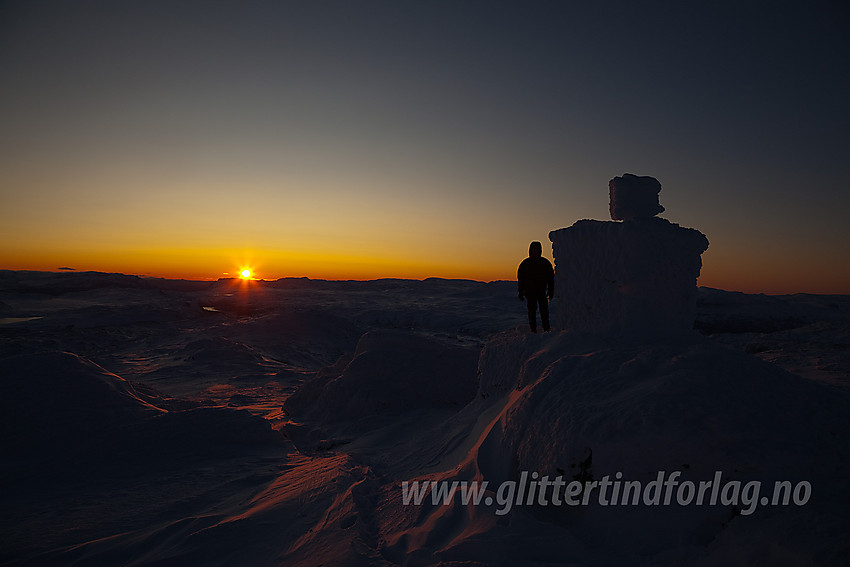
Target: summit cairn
[632,275]
[633,196]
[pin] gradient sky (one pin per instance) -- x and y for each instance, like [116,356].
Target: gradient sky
[367,139]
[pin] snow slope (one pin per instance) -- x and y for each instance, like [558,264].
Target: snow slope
[584,407]
[286,452]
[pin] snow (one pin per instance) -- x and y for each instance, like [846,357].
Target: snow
[580,406]
[390,372]
[141,429]
[689,405]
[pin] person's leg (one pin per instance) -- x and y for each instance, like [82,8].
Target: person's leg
[544,312]
[532,311]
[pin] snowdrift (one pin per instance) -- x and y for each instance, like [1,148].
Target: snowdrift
[57,405]
[583,407]
[389,374]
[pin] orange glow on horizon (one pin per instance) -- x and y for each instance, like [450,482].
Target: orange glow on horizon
[729,272]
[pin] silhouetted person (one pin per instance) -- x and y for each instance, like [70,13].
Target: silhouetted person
[536,283]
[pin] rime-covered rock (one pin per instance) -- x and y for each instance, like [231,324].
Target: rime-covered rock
[634,197]
[632,276]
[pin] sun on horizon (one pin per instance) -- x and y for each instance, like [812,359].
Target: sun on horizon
[246,273]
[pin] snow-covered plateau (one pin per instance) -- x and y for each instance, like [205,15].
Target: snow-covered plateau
[164,422]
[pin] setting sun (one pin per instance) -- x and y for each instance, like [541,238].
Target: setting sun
[246,273]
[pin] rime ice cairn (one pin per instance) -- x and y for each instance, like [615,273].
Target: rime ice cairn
[637,275]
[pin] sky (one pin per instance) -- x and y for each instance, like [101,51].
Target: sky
[361,139]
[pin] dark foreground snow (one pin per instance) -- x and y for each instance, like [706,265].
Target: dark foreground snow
[153,422]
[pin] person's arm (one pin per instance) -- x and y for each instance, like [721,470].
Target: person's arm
[550,283]
[519,283]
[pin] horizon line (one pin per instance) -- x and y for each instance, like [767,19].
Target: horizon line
[67,271]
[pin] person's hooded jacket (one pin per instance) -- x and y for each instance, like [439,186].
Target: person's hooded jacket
[535,274]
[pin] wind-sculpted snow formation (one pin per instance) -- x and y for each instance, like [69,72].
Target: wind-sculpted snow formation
[390,372]
[584,408]
[587,407]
